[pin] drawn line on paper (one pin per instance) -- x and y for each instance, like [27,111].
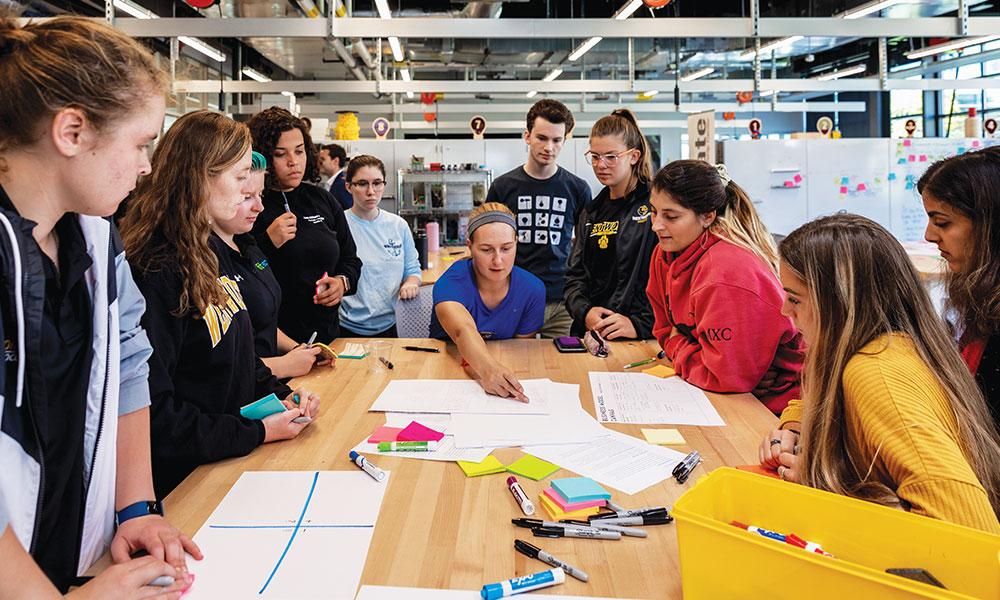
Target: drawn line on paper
[294,532]
[290,526]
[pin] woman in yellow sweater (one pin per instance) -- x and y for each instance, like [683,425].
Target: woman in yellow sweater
[889,411]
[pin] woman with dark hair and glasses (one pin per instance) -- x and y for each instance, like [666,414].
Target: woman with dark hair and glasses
[385,244]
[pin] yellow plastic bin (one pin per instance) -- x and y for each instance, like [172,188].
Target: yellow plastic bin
[719,560]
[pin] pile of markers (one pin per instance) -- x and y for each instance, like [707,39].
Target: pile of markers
[683,469]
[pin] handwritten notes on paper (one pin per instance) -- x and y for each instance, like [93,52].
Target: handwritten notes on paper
[641,398]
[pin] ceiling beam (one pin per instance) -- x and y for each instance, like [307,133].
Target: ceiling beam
[435,27]
[639,108]
[865,84]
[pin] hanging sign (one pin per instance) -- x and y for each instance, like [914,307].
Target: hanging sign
[478,126]
[824,125]
[701,136]
[910,127]
[381,127]
[754,127]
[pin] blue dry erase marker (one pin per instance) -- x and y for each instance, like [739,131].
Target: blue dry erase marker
[520,585]
[376,473]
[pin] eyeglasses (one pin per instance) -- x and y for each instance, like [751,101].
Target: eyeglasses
[610,159]
[377,184]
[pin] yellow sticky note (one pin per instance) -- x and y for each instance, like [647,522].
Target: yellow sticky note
[660,371]
[487,467]
[532,467]
[671,437]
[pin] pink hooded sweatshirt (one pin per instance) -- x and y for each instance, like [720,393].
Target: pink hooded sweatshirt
[726,306]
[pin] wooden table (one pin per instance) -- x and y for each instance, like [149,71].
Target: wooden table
[439,262]
[439,529]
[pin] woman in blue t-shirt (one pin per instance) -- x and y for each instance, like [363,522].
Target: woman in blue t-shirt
[488,298]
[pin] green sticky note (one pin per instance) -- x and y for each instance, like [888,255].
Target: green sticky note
[488,467]
[532,467]
[663,436]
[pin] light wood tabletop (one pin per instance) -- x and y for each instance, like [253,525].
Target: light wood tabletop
[439,529]
[441,261]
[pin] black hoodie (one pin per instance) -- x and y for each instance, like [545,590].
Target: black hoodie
[203,369]
[609,265]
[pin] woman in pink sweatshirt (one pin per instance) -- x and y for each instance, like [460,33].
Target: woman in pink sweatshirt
[713,287]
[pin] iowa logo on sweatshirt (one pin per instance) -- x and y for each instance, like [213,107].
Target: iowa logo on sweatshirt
[603,230]
[219,318]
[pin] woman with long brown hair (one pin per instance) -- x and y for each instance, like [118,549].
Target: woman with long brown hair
[889,411]
[608,267]
[203,367]
[961,195]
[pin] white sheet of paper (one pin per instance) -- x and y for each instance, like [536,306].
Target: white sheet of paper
[276,530]
[458,396]
[642,398]
[567,423]
[436,421]
[615,460]
[381,592]
[446,451]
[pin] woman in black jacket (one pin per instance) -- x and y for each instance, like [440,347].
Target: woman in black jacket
[608,269]
[302,230]
[203,367]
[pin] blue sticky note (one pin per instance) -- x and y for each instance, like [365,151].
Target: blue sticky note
[263,408]
[580,489]
[909,185]
[961,150]
[845,180]
[892,177]
[902,161]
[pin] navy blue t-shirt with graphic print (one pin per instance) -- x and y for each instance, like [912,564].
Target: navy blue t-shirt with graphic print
[547,211]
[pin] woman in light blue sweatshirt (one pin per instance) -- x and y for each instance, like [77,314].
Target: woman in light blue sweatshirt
[385,246]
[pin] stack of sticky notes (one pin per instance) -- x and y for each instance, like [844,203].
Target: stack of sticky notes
[573,498]
[488,466]
[353,350]
[532,467]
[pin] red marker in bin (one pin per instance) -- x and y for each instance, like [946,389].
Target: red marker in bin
[790,538]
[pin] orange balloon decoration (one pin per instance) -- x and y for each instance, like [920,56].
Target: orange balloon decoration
[744,97]
[656,3]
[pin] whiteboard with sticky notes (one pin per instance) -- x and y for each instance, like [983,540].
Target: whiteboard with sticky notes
[873,177]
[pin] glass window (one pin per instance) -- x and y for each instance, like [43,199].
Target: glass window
[906,102]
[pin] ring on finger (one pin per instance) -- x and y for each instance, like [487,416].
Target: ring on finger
[775,442]
[781,472]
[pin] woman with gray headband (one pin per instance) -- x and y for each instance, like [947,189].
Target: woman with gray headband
[488,298]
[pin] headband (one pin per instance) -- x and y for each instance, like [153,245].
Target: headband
[493,216]
[258,162]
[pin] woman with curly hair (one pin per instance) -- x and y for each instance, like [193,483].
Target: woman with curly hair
[302,230]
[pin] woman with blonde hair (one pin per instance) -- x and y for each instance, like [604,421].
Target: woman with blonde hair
[486,297]
[889,411]
[714,289]
[203,367]
[608,267]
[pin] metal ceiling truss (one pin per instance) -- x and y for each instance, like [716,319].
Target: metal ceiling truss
[436,27]
[640,108]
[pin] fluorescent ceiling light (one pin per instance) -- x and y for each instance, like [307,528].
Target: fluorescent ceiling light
[856,69]
[949,46]
[404,74]
[397,49]
[870,8]
[383,9]
[765,93]
[627,10]
[531,94]
[255,75]
[553,74]
[584,48]
[775,45]
[200,46]
[698,74]
[650,93]
[409,95]
[287,93]
[133,9]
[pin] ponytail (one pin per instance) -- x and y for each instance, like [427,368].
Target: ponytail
[741,225]
[622,123]
[704,188]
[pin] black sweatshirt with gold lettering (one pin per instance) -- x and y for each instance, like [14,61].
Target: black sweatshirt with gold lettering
[203,369]
[609,264]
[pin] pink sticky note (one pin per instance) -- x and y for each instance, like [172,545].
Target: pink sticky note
[975,143]
[384,434]
[923,158]
[789,183]
[415,432]
[843,189]
[913,158]
[907,142]
[797,178]
[862,187]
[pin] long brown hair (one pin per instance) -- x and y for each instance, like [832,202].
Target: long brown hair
[70,62]
[621,123]
[863,286]
[167,222]
[267,127]
[699,186]
[970,183]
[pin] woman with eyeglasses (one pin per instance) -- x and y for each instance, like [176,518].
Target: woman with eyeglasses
[302,230]
[385,244]
[609,267]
